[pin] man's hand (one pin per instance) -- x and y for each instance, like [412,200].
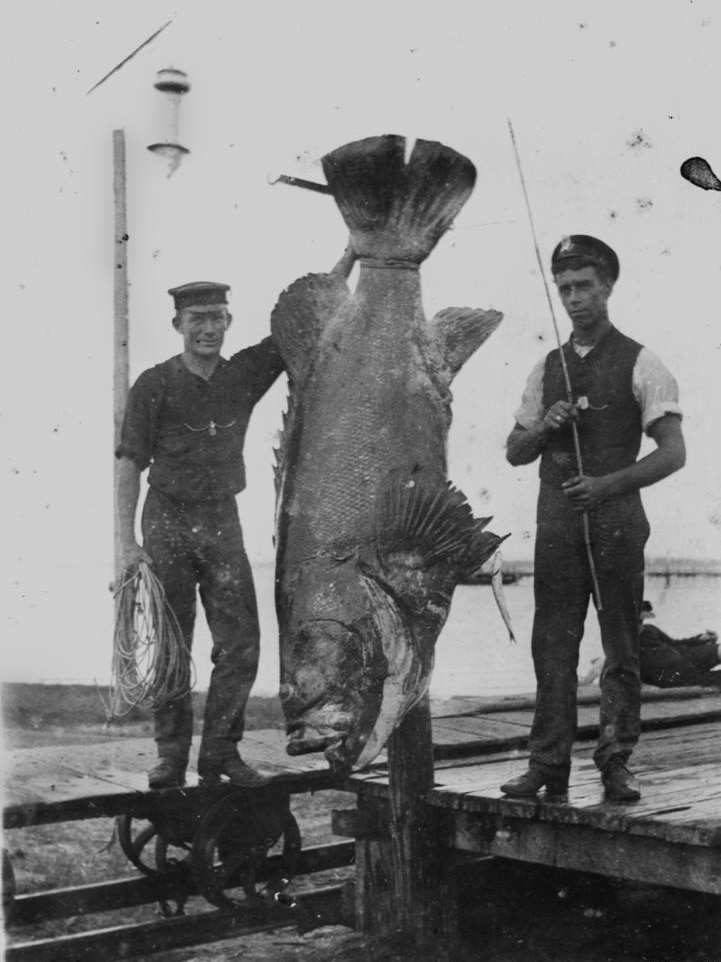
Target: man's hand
[559,416]
[131,555]
[583,492]
[345,264]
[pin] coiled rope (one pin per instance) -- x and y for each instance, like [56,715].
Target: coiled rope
[151,662]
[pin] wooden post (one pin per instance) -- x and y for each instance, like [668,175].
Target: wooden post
[405,884]
[120,312]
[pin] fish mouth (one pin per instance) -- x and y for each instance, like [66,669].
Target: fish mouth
[333,691]
[350,688]
[339,728]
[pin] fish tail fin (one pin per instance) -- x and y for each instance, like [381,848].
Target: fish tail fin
[396,209]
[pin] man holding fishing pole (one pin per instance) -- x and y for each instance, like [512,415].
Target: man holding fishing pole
[583,413]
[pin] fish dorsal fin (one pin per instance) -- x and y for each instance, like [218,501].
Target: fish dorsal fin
[421,522]
[457,332]
[300,316]
[281,451]
[394,209]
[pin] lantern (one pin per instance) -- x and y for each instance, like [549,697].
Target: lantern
[173,84]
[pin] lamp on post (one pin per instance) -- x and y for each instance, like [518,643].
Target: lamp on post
[173,84]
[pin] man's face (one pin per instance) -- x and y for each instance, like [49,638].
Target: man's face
[203,330]
[584,295]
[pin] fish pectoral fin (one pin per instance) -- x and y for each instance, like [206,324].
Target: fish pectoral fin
[430,522]
[300,316]
[459,331]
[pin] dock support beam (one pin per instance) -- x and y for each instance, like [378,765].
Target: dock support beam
[404,885]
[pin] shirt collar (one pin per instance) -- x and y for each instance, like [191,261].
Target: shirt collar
[582,350]
[177,362]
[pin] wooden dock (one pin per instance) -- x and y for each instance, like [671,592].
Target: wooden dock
[671,837]
[67,782]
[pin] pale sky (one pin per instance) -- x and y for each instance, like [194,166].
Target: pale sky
[606,98]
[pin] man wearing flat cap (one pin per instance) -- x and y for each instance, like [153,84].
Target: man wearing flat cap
[186,421]
[618,391]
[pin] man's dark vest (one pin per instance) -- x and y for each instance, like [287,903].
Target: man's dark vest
[609,429]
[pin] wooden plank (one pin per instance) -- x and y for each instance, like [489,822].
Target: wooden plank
[586,850]
[48,784]
[680,801]
[58,773]
[587,695]
[483,727]
[403,884]
[323,906]
[142,890]
[594,812]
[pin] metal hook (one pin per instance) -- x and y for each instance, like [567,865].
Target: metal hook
[298,182]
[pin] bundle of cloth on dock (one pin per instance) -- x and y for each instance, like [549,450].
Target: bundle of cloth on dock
[668,662]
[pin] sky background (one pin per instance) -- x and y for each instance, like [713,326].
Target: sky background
[606,99]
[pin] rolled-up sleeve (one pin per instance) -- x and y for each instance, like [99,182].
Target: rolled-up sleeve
[137,437]
[654,388]
[531,411]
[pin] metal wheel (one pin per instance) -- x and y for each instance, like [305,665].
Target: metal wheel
[232,843]
[148,848]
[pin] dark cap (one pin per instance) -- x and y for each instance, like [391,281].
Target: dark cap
[200,294]
[587,252]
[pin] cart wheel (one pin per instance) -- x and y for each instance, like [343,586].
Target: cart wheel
[8,880]
[232,843]
[147,848]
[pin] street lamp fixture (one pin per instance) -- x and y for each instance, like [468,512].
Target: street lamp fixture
[173,84]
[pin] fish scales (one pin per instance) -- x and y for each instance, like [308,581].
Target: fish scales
[371,538]
[350,436]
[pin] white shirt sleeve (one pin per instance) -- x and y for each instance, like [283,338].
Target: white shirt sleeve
[531,411]
[654,388]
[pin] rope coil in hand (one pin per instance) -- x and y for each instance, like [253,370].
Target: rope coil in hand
[151,660]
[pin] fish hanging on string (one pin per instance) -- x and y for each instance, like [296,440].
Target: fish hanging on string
[371,537]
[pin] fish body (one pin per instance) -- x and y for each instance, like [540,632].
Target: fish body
[371,539]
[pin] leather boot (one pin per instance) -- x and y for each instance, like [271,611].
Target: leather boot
[531,782]
[234,769]
[168,773]
[620,785]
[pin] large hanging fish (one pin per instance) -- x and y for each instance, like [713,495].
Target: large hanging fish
[371,538]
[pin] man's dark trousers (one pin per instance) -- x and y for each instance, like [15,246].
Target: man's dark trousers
[563,587]
[200,545]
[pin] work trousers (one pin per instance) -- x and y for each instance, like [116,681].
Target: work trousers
[199,546]
[562,587]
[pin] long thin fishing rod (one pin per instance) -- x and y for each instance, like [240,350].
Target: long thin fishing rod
[129,57]
[564,366]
